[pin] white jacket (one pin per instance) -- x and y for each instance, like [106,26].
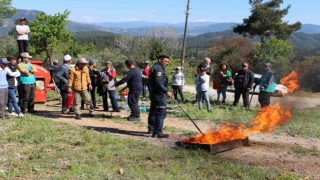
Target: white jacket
[202,82]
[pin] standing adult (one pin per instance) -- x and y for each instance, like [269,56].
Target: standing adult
[178,83]
[158,96]
[78,83]
[205,65]
[4,71]
[108,77]
[225,78]
[62,75]
[134,83]
[53,72]
[94,76]
[22,31]
[145,79]
[28,83]
[13,84]
[202,86]
[243,84]
[267,85]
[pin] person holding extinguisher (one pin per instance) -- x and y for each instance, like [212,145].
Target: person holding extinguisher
[62,75]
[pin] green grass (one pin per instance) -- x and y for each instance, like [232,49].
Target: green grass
[314,151]
[304,123]
[36,148]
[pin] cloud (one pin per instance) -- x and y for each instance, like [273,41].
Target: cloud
[152,11]
[202,20]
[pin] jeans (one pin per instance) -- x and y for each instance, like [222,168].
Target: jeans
[28,94]
[3,100]
[222,90]
[158,112]
[245,97]
[145,85]
[133,102]
[203,95]
[112,96]
[23,46]
[12,100]
[176,90]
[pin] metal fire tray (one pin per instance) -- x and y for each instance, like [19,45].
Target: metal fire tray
[215,148]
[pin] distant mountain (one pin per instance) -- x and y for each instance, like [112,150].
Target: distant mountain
[310,29]
[72,26]
[138,28]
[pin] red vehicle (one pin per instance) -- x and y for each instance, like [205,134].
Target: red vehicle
[43,82]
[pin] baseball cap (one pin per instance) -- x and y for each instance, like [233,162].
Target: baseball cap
[67,57]
[55,61]
[268,64]
[92,61]
[108,62]
[245,65]
[4,61]
[25,55]
[146,62]
[178,68]
[82,61]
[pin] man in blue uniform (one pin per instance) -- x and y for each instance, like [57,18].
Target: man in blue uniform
[134,83]
[158,95]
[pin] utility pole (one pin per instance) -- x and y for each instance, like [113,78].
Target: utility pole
[185,35]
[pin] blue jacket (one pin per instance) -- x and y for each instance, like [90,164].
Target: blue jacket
[62,75]
[158,79]
[3,79]
[267,82]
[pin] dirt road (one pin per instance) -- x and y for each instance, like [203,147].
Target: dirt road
[273,151]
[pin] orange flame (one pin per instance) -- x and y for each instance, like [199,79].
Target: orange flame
[267,119]
[291,81]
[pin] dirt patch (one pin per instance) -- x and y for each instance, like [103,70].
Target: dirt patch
[272,151]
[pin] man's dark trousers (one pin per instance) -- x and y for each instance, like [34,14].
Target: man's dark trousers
[133,102]
[245,97]
[157,113]
[264,98]
[28,93]
[23,46]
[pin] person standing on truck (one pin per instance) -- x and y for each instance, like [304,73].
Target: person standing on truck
[243,84]
[22,31]
[267,85]
[28,83]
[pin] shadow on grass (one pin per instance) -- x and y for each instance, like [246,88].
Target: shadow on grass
[118,131]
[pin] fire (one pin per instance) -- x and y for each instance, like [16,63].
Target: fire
[291,81]
[267,119]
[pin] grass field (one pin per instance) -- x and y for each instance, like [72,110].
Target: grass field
[36,148]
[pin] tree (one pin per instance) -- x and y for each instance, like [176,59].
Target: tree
[233,51]
[266,20]
[47,32]
[278,52]
[157,49]
[6,10]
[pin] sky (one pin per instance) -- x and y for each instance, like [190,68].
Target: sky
[166,11]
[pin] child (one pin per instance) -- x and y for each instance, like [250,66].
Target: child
[202,87]
[178,83]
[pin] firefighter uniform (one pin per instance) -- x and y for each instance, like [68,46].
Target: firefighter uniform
[158,95]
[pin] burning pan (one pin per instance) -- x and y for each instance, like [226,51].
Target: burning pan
[215,148]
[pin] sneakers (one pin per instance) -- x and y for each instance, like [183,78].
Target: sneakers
[20,115]
[78,117]
[160,135]
[13,114]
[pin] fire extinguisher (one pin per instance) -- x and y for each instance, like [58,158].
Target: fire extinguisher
[69,100]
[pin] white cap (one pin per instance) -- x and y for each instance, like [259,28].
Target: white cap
[67,57]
